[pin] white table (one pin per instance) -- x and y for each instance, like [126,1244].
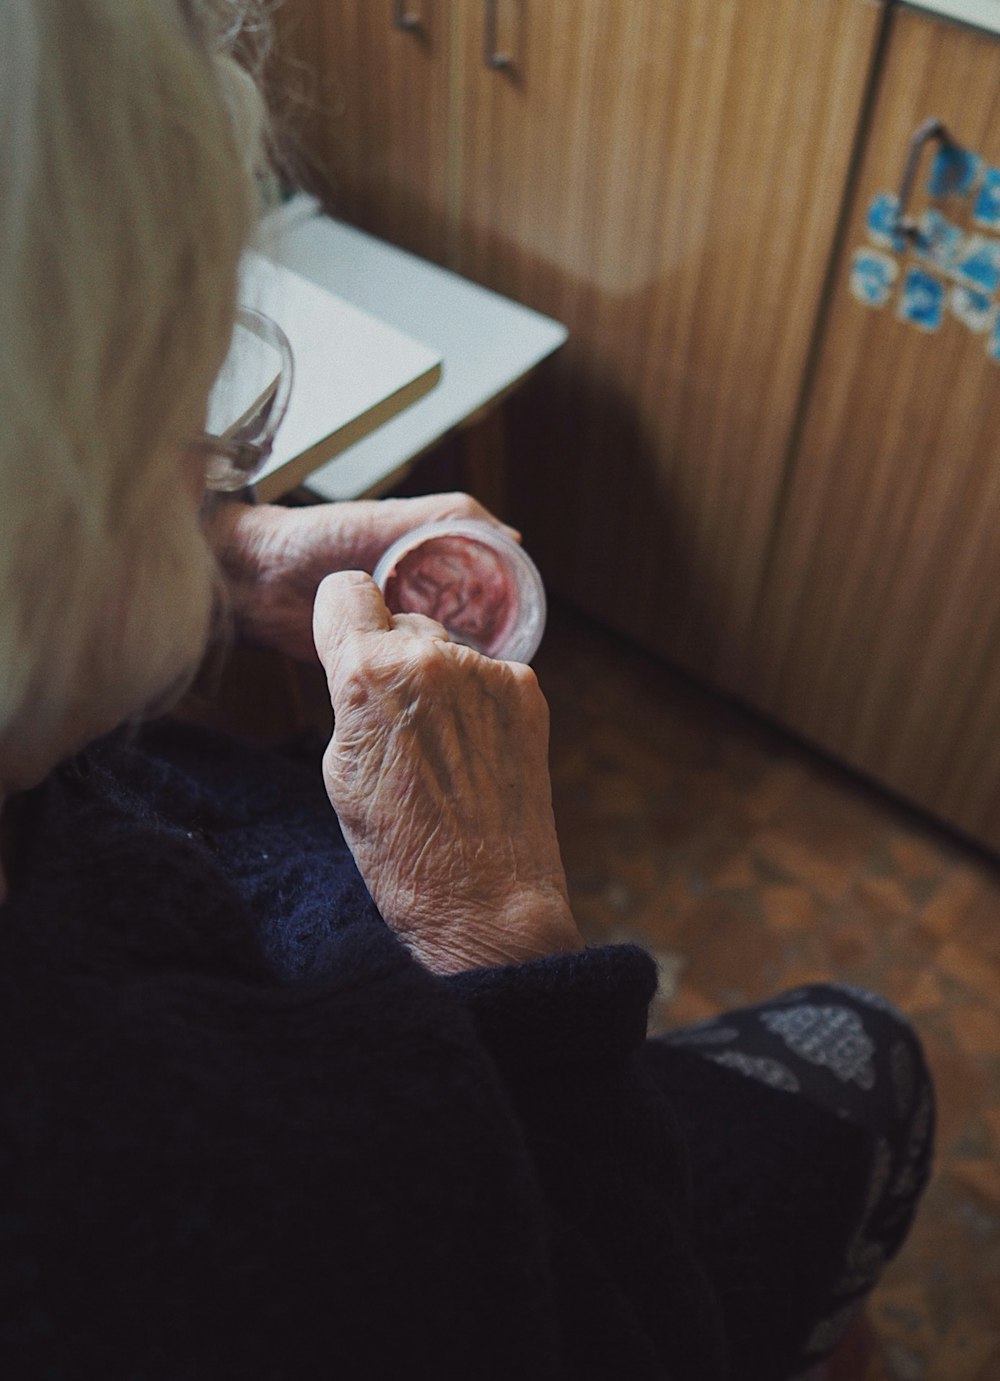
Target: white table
[488,344]
[981,14]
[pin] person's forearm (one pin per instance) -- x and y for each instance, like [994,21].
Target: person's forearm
[272,563]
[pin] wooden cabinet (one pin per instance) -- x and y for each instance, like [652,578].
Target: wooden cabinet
[878,632]
[664,178]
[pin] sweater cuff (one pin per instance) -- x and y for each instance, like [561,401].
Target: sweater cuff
[585,1010]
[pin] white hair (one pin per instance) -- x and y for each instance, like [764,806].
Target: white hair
[128,135]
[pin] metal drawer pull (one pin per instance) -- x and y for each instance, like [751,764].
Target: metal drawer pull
[923,134]
[493,59]
[403,18]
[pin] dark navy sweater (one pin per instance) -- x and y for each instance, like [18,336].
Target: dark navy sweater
[245,1135]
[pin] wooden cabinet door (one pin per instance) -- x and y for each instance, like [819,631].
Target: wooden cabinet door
[666,179]
[879,634]
[371,101]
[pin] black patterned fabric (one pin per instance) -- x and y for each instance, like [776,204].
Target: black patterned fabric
[841,1055]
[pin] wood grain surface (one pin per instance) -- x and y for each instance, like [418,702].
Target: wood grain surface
[666,179]
[879,629]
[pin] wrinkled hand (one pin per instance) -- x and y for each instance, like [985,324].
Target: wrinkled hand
[438,770]
[274,558]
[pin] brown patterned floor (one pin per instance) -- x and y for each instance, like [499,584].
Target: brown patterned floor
[747,864]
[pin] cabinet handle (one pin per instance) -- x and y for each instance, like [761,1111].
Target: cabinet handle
[403,18]
[930,129]
[493,59]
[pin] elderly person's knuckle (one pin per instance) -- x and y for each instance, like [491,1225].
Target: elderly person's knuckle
[526,686]
[463,505]
[339,771]
[524,678]
[429,660]
[530,698]
[332,761]
[336,583]
[403,671]
[422,625]
[357,578]
[352,681]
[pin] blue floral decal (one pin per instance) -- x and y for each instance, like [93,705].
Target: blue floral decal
[922,300]
[938,240]
[986,211]
[978,264]
[938,265]
[872,277]
[993,341]
[973,309]
[882,219]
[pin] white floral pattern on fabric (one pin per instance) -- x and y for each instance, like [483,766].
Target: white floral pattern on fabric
[905,1184]
[904,1076]
[868,1261]
[865,1256]
[851,1053]
[921,1128]
[907,1179]
[827,1334]
[832,1037]
[768,1071]
[879,1178]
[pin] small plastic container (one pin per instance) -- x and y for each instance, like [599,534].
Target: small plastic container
[473,579]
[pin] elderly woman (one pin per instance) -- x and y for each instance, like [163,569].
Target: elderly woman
[289,1090]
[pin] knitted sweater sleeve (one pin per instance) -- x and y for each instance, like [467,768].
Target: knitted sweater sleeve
[566,1034]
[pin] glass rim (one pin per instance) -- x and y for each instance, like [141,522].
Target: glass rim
[236,458]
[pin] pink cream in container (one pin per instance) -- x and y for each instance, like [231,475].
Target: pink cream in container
[473,579]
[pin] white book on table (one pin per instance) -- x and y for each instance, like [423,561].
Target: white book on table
[352,372]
